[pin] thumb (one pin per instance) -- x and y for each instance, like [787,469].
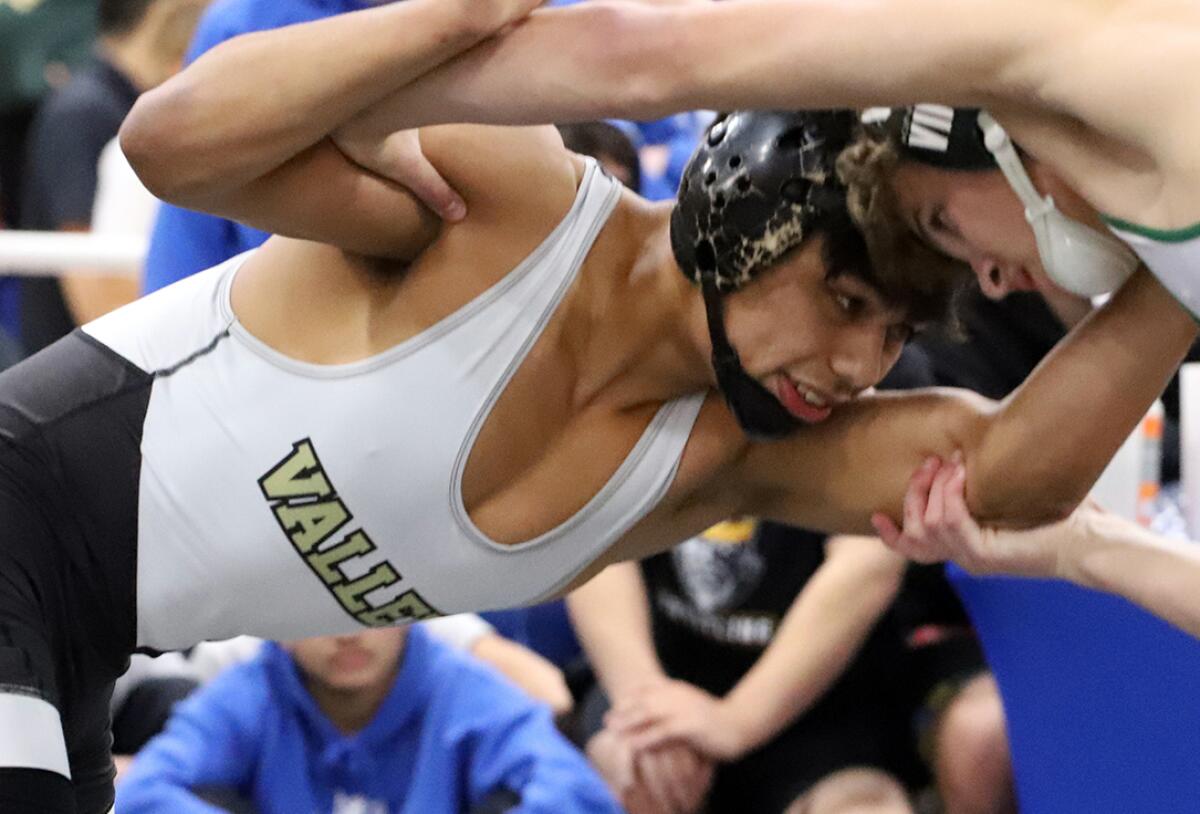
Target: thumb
[424,181]
[886,528]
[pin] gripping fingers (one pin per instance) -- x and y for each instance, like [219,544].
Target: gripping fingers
[935,510]
[917,497]
[888,531]
[954,498]
[423,179]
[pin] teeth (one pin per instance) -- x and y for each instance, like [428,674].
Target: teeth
[813,399]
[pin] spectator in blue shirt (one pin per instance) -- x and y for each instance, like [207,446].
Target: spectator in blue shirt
[387,721]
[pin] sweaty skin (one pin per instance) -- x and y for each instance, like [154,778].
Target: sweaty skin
[630,334]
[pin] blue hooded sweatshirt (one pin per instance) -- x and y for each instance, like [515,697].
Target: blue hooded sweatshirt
[450,733]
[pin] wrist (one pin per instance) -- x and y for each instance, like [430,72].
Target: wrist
[630,681]
[1093,535]
[745,729]
[1034,553]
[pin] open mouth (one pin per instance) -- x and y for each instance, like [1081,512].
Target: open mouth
[804,404]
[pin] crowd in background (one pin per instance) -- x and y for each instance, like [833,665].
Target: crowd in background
[757,668]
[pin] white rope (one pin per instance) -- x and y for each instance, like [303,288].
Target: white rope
[53,253]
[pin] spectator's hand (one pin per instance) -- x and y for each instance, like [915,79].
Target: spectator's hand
[675,711]
[398,157]
[938,526]
[671,780]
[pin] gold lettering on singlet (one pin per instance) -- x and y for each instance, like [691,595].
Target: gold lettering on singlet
[309,512]
[308,525]
[326,561]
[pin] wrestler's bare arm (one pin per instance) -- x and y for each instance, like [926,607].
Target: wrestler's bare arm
[1111,554]
[1030,459]
[625,59]
[212,139]
[1092,86]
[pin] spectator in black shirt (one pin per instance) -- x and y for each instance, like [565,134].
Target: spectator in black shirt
[766,663]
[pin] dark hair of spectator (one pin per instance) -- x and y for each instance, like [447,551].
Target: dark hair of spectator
[116,17]
[607,144]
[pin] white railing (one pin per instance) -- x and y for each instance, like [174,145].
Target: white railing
[43,254]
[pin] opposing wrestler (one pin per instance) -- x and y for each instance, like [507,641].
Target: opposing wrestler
[378,419]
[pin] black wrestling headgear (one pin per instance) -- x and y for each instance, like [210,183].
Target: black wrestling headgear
[945,137]
[756,187]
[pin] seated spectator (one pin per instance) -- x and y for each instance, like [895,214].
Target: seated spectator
[140,44]
[756,673]
[388,720]
[144,697]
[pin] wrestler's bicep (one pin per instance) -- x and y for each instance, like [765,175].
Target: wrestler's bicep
[322,196]
[835,475]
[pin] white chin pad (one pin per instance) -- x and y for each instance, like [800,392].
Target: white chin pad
[1080,259]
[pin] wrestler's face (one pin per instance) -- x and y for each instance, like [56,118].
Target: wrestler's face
[350,663]
[804,333]
[974,217]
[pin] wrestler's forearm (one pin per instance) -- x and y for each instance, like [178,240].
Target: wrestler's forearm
[1117,556]
[1049,441]
[629,60]
[222,122]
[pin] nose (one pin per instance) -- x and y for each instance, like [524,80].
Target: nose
[857,360]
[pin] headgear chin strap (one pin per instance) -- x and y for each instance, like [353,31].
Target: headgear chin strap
[1076,257]
[758,413]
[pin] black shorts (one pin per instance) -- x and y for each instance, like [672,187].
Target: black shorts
[69,457]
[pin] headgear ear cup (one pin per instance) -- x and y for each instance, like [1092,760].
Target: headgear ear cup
[1078,258]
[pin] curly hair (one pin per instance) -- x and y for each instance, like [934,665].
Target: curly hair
[907,271]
